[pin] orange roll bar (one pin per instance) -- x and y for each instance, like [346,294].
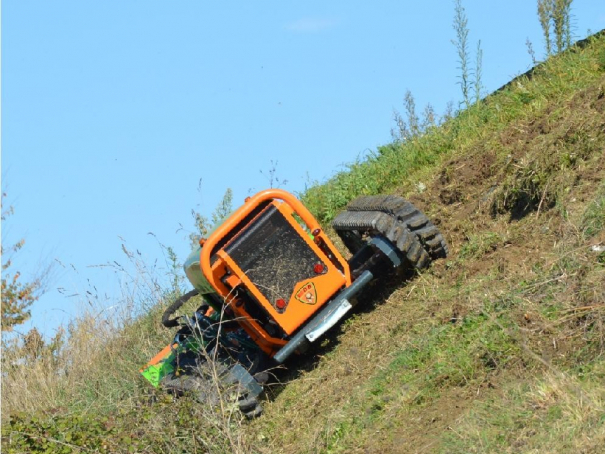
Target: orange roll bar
[241,213]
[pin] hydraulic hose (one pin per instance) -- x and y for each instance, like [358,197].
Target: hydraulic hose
[176,305]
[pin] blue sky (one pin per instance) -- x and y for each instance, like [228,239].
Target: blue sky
[112,111]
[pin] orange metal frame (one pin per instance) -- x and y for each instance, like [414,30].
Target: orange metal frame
[307,297]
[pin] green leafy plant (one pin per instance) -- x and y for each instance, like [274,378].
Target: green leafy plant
[202,225]
[555,20]
[468,85]
[17,296]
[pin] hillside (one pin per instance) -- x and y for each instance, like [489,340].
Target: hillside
[498,348]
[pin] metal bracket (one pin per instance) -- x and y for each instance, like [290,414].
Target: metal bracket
[387,248]
[331,320]
[243,377]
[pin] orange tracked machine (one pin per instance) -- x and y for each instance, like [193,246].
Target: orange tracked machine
[272,283]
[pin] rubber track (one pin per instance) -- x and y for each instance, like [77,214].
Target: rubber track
[404,211]
[399,221]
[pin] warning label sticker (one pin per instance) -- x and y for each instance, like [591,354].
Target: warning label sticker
[307,294]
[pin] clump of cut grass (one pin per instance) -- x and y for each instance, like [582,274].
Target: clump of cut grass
[541,178]
[481,244]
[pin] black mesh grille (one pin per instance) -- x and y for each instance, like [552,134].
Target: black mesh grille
[273,255]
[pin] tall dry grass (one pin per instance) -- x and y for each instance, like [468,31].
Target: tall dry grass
[95,355]
[84,389]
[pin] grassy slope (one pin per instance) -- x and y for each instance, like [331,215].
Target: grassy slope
[499,348]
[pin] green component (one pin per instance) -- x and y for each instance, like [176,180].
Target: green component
[156,372]
[193,344]
[165,366]
[194,272]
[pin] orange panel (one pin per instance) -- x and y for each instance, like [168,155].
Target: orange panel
[297,311]
[307,296]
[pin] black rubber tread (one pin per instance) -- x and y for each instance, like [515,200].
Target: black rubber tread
[415,221]
[171,323]
[385,203]
[407,228]
[364,220]
[376,222]
[406,212]
[433,241]
[405,240]
[428,234]
[397,231]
